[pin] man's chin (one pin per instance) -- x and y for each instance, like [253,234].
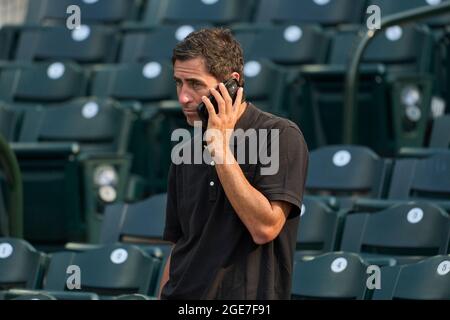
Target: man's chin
[194,121]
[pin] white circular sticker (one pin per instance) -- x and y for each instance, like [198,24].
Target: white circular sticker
[394,33]
[443,268]
[56,70]
[151,70]
[107,193]
[207,2]
[182,32]
[413,113]
[81,33]
[321,2]
[252,69]
[90,110]
[119,256]
[293,33]
[90,1]
[342,158]
[433,2]
[302,212]
[5,250]
[415,215]
[339,265]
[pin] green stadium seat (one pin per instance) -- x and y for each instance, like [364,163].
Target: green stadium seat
[147,44]
[290,45]
[392,7]
[9,122]
[50,12]
[134,297]
[141,223]
[439,140]
[334,275]
[326,13]
[393,97]
[108,271]
[425,280]
[319,230]
[145,83]
[73,161]
[339,174]
[21,265]
[197,11]
[404,232]
[440,135]
[20,294]
[31,83]
[421,178]
[4,217]
[87,44]
[140,87]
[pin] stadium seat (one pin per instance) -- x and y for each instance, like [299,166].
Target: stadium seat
[154,43]
[264,85]
[4,217]
[21,266]
[9,122]
[326,13]
[291,45]
[401,233]
[421,178]
[220,13]
[107,271]
[334,275]
[87,44]
[44,82]
[319,230]
[439,140]
[140,223]
[392,7]
[73,161]
[134,297]
[393,97]
[440,136]
[51,12]
[20,294]
[425,280]
[147,82]
[346,172]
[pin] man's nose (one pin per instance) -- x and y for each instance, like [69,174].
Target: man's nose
[184,97]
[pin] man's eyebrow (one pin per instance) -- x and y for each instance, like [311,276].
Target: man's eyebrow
[191,80]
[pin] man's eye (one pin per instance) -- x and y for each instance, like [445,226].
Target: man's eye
[177,83]
[197,86]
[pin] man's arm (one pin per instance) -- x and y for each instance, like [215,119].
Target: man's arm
[264,219]
[165,275]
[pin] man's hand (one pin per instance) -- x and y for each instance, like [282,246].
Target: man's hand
[221,125]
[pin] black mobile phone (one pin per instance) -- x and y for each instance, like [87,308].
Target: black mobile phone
[232,86]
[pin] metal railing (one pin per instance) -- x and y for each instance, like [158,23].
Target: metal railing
[351,82]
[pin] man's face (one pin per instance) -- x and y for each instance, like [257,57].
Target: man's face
[193,81]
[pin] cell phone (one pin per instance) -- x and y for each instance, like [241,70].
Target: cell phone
[232,86]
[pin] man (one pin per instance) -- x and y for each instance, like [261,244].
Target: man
[233,228]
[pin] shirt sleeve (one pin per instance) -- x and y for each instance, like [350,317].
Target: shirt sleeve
[172,229]
[283,177]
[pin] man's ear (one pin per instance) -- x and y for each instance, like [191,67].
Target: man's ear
[236,75]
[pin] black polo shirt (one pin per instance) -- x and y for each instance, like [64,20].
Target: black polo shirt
[214,256]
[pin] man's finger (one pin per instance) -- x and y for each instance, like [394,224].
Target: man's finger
[238,101]
[226,98]
[220,101]
[211,112]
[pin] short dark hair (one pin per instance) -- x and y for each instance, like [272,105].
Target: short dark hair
[221,52]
